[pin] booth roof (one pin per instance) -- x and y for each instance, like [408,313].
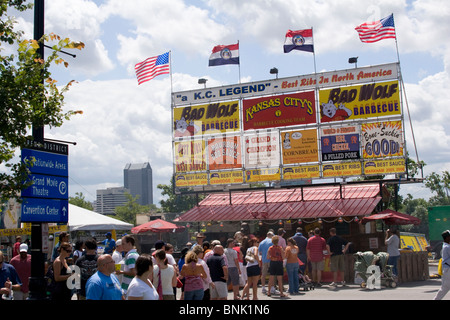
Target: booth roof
[298,203]
[81,219]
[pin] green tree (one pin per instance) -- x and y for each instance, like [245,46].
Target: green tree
[129,211]
[80,201]
[176,203]
[28,94]
[439,186]
[416,208]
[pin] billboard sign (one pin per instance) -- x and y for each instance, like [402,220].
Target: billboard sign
[360,102]
[337,124]
[224,153]
[206,119]
[290,84]
[299,146]
[279,111]
[262,149]
[382,139]
[340,143]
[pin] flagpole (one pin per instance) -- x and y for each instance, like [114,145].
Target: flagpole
[239,65]
[170,71]
[404,93]
[314,52]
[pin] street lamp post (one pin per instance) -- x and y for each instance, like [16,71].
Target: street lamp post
[36,281]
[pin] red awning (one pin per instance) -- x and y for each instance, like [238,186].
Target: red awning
[274,204]
[157,226]
[392,217]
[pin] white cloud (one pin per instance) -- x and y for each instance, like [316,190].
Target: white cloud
[124,122]
[80,20]
[158,25]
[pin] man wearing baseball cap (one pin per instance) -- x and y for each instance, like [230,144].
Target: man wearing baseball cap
[22,264]
[109,244]
[445,286]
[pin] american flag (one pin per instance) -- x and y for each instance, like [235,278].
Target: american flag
[152,67]
[378,30]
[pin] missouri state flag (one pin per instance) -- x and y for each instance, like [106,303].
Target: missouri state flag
[222,55]
[299,40]
[378,30]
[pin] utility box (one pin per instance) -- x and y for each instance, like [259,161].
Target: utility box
[438,222]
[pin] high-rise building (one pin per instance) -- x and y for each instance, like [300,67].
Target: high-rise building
[138,179]
[110,198]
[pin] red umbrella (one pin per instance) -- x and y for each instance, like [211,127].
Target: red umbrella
[392,217]
[158,226]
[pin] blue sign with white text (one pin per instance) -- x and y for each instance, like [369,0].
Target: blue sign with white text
[45,210]
[46,162]
[50,187]
[47,199]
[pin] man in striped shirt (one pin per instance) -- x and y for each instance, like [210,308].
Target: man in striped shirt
[128,272]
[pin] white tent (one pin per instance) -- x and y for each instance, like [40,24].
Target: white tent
[81,219]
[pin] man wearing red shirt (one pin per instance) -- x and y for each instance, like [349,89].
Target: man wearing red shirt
[16,246]
[315,253]
[22,264]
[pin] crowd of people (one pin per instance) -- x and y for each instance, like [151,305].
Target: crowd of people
[204,271]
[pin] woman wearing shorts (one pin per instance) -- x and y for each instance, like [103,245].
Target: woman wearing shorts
[253,269]
[276,257]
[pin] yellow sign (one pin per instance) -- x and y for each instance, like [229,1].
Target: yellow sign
[226,177]
[261,175]
[412,241]
[211,118]
[384,166]
[301,172]
[27,231]
[382,139]
[190,156]
[191,179]
[299,146]
[342,169]
[360,102]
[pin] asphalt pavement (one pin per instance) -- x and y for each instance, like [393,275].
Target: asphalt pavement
[419,290]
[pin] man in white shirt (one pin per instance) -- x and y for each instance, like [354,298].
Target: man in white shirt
[445,287]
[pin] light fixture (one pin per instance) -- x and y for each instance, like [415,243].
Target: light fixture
[274,71]
[353,60]
[202,81]
[340,220]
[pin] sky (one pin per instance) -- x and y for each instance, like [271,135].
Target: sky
[123,122]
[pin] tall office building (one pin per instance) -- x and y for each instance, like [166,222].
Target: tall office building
[138,179]
[110,198]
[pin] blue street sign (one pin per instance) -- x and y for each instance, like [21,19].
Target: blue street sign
[45,210]
[49,187]
[47,163]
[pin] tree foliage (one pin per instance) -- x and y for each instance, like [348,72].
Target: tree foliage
[29,96]
[439,185]
[80,201]
[129,210]
[176,203]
